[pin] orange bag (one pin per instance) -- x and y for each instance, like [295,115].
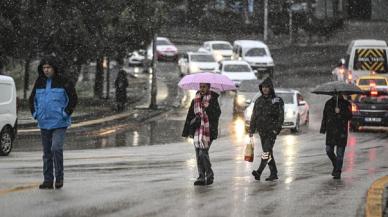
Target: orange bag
[249,152]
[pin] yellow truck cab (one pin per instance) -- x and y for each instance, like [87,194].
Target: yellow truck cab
[364,57]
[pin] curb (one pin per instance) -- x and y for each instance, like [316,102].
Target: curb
[375,206]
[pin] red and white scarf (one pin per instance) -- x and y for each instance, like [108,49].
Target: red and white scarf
[202,134]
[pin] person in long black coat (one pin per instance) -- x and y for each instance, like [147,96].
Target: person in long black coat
[213,112]
[121,85]
[336,116]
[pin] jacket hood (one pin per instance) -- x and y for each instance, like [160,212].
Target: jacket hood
[267,82]
[50,60]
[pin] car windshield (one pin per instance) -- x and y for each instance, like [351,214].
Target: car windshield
[202,58]
[237,68]
[366,99]
[378,82]
[249,86]
[221,47]
[288,98]
[256,52]
[163,42]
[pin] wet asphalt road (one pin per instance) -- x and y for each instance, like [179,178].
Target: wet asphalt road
[137,179]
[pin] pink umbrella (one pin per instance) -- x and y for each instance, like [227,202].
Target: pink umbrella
[217,82]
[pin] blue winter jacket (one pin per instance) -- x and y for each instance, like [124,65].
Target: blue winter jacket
[52,102]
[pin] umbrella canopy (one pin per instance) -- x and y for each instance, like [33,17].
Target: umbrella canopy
[337,87]
[217,82]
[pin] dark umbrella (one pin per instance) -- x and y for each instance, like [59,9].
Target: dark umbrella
[337,88]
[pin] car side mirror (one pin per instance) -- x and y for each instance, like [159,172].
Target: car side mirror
[302,103]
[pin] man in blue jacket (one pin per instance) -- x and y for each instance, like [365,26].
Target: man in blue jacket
[52,102]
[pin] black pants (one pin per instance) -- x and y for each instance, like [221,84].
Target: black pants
[336,160]
[203,164]
[267,143]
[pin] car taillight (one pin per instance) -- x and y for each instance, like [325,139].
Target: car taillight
[373,91]
[354,108]
[350,76]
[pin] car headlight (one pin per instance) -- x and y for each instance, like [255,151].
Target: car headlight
[290,113]
[241,100]
[218,56]
[194,68]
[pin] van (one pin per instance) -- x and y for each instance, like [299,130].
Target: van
[364,57]
[8,114]
[256,54]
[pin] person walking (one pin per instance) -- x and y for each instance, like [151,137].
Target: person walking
[52,102]
[336,116]
[121,85]
[267,119]
[202,125]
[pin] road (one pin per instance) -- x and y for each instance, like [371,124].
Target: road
[149,170]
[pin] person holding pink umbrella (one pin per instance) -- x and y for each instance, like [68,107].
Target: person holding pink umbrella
[202,125]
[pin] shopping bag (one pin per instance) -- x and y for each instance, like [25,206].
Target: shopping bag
[249,152]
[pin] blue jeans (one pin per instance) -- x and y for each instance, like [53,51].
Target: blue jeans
[53,141]
[336,159]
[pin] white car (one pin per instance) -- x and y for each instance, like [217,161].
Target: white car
[197,62]
[136,58]
[221,50]
[296,110]
[237,71]
[8,114]
[165,50]
[256,53]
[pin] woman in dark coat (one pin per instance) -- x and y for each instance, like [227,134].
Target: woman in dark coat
[202,125]
[336,116]
[121,85]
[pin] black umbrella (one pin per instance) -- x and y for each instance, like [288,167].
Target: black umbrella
[337,88]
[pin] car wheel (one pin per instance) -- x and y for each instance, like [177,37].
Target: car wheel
[354,128]
[296,129]
[6,141]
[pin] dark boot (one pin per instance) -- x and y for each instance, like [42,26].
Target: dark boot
[272,177]
[46,185]
[58,184]
[200,181]
[256,174]
[337,175]
[209,178]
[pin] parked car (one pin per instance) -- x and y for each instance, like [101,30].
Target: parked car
[136,58]
[221,50]
[165,50]
[296,110]
[8,114]
[237,71]
[372,83]
[197,62]
[256,53]
[246,91]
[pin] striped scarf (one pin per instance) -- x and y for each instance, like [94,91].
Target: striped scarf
[202,134]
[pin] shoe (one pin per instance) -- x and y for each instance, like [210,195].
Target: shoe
[58,184]
[272,178]
[337,176]
[200,181]
[46,185]
[256,175]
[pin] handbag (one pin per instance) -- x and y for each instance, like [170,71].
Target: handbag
[195,123]
[249,152]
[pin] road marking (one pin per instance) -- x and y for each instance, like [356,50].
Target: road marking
[374,200]
[18,189]
[87,123]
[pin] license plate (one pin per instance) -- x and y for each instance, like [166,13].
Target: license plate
[373,119]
